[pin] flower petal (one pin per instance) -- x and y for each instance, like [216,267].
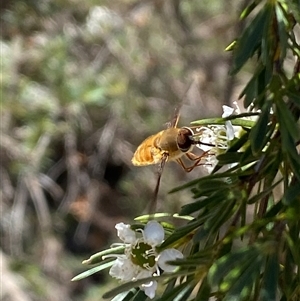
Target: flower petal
[123,269]
[168,255]
[125,233]
[237,108]
[144,274]
[227,111]
[149,289]
[210,163]
[154,233]
[229,130]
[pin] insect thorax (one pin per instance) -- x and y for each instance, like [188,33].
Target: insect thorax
[175,141]
[168,140]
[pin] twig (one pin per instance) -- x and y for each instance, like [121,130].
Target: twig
[51,186]
[39,201]
[72,163]
[17,217]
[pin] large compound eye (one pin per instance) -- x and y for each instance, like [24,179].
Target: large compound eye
[184,140]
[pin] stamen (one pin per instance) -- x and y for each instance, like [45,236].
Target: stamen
[119,244]
[147,266]
[113,256]
[150,252]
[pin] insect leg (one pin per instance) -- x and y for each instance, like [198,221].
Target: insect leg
[186,169]
[192,157]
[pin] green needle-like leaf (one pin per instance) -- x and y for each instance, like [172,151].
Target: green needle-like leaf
[270,279]
[258,133]
[250,39]
[92,271]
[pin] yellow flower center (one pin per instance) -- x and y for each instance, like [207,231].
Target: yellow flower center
[143,255]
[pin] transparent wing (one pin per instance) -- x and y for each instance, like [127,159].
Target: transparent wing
[172,124]
[176,114]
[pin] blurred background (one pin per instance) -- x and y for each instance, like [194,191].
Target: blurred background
[82,84]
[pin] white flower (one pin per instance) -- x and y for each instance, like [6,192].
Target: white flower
[141,259]
[215,139]
[227,111]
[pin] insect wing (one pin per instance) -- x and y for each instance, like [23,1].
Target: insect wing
[176,115]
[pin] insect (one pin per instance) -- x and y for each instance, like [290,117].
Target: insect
[170,144]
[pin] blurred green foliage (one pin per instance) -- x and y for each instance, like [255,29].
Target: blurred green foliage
[241,241]
[82,84]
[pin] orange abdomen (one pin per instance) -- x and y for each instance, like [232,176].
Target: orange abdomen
[153,149]
[148,153]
